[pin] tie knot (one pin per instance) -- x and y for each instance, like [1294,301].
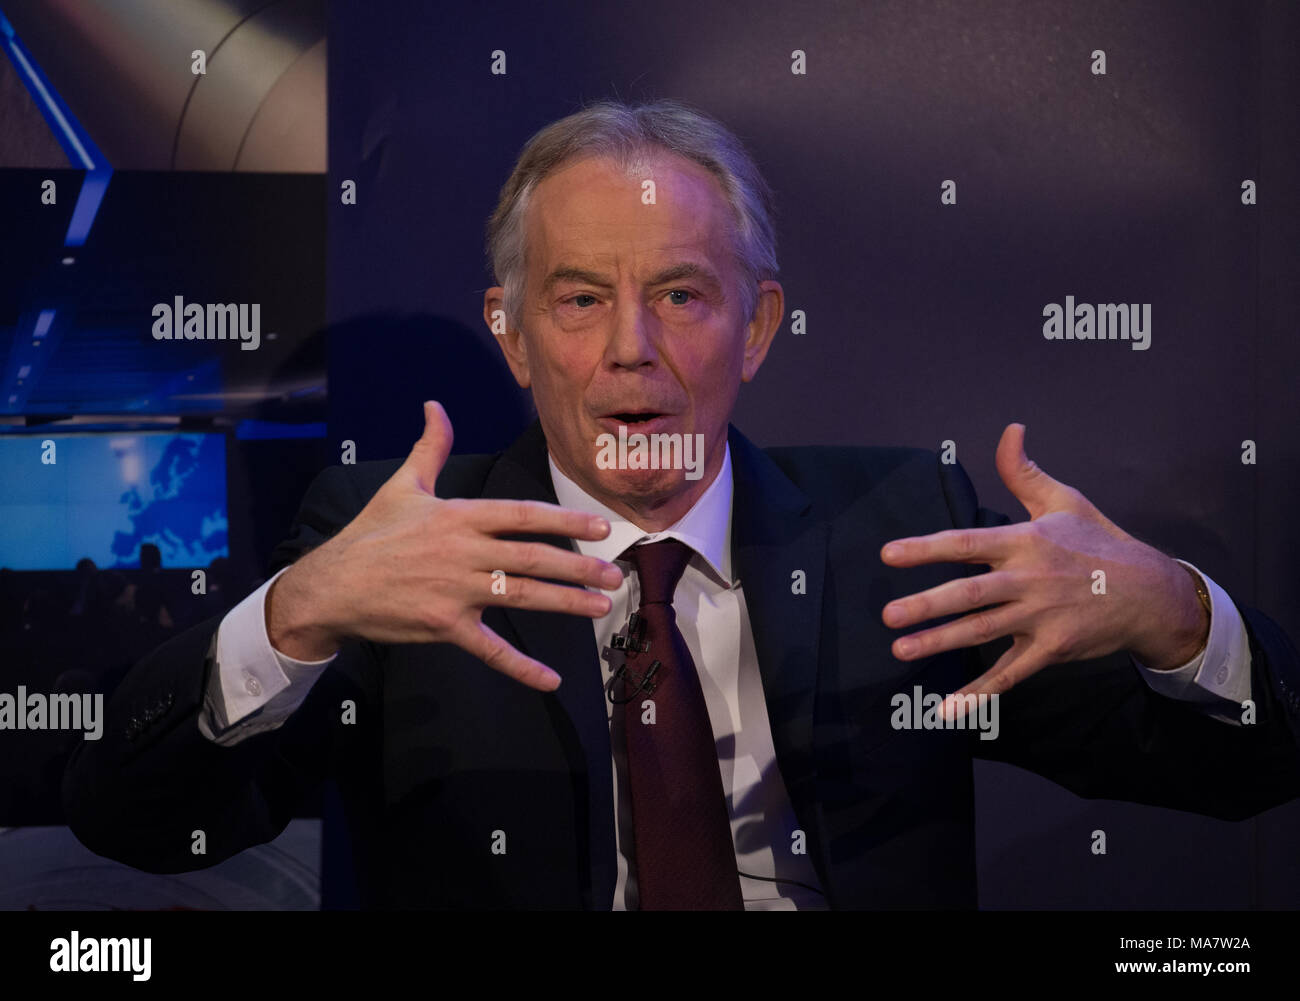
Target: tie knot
[659,566]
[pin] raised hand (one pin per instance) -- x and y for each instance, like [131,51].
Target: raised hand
[1040,586]
[415,568]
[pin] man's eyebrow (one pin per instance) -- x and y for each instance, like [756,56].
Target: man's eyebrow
[582,276]
[672,273]
[686,269]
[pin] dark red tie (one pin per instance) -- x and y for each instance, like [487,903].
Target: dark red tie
[685,859]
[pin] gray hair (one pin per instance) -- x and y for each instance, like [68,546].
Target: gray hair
[628,135]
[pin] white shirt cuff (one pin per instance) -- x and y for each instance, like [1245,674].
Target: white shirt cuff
[1218,677]
[251,675]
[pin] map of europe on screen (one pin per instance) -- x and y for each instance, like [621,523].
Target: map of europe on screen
[104,495]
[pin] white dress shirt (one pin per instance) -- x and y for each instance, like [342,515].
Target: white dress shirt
[711,613]
[710,608]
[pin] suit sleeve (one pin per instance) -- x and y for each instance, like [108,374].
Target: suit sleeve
[1098,729]
[139,794]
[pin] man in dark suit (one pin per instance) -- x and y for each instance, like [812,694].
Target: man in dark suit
[749,739]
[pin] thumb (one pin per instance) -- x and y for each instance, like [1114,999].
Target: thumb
[1037,491]
[429,454]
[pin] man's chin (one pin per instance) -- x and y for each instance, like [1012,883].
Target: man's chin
[641,486]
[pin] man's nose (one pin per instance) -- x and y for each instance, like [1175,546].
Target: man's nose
[632,335]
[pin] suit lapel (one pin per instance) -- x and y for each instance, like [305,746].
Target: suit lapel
[774,534]
[567,645]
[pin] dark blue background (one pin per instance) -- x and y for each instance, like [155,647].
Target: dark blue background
[924,320]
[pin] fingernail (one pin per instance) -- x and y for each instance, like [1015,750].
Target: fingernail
[906,647]
[612,576]
[599,526]
[892,551]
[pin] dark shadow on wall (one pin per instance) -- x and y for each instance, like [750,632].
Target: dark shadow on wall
[383,367]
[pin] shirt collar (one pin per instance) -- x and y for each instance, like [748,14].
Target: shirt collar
[706,527]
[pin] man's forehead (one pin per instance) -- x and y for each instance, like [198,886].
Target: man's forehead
[593,216]
[595,197]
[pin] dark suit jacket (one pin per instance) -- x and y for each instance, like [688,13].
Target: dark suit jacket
[445,752]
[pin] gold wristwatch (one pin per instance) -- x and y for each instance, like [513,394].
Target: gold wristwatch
[1202,591]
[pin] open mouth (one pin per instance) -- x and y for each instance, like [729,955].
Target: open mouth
[636,417]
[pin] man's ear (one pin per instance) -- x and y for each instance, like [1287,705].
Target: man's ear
[509,339]
[767,320]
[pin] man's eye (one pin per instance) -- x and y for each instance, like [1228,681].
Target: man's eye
[681,291]
[581,295]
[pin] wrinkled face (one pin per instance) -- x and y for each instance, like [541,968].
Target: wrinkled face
[632,316]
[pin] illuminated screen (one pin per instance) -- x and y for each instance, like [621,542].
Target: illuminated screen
[64,497]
